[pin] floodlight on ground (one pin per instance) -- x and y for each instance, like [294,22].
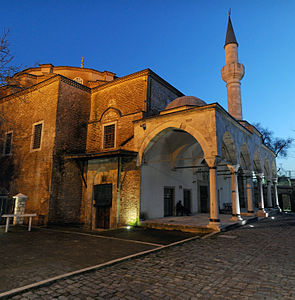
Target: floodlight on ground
[128,227]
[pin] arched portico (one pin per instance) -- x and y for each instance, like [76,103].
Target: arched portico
[172,170]
[158,131]
[246,177]
[230,157]
[268,177]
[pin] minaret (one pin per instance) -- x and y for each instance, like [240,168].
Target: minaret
[232,73]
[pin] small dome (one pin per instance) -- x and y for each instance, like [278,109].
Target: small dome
[185,101]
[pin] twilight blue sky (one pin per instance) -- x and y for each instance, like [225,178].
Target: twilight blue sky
[182,41]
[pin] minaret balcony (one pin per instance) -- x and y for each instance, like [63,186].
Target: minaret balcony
[233,72]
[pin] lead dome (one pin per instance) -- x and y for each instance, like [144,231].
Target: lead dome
[185,101]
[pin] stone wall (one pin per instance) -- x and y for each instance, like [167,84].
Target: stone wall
[32,170]
[71,131]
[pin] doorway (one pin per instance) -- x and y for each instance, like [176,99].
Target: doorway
[187,200]
[102,203]
[204,199]
[168,201]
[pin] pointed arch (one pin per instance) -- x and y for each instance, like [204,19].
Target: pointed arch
[257,165]
[245,160]
[228,149]
[109,109]
[267,169]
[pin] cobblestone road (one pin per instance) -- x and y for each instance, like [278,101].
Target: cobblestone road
[247,263]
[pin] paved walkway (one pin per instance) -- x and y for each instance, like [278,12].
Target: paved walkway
[256,261]
[30,257]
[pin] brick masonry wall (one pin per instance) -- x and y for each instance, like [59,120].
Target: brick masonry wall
[160,95]
[130,193]
[71,131]
[32,169]
[122,103]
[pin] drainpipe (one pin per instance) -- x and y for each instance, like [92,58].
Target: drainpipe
[118,190]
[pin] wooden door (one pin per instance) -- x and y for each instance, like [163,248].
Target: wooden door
[103,204]
[102,217]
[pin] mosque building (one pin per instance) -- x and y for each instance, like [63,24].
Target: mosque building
[91,148]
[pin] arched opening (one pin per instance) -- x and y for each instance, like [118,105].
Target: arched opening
[267,172]
[267,193]
[228,149]
[173,169]
[244,171]
[229,157]
[257,168]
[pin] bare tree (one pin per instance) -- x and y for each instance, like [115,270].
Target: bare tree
[278,145]
[7,68]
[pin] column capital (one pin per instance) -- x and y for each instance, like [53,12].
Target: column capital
[233,168]
[212,161]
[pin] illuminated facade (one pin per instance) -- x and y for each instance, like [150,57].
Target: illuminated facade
[88,147]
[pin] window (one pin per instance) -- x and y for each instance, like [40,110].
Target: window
[37,136]
[7,143]
[109,136]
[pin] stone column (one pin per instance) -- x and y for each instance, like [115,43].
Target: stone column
[275,187]
[261,211]
[269,201]
[249,187]
[214,221]
[236,210]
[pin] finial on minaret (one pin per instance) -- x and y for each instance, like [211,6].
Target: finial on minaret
[232,72]
[82,62]
[230,35]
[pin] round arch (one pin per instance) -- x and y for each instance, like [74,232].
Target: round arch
[164,128]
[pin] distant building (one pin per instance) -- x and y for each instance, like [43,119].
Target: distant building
[88,147]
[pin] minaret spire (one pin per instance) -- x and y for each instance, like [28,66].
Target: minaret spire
[232,72]
[230,34]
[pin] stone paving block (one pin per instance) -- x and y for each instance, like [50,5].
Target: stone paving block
[247,267]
